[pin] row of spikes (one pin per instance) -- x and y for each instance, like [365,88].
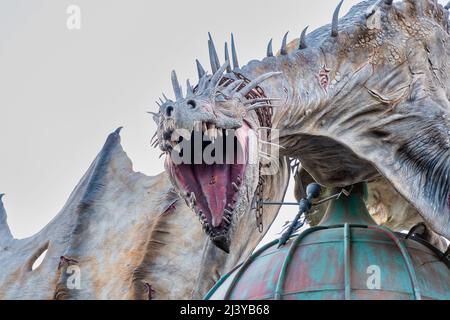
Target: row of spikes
[302,43]
[214,81]
[214,58]
[334,29]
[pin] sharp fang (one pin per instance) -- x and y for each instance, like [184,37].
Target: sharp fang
[238,179]
[193,198]
[235,186]
[227,212]
[212,131]
[226,220]
[177,148]
[204,127]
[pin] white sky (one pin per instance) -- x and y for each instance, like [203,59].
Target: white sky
[62,92]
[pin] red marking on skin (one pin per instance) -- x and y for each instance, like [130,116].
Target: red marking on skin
[150,290]
[324,78]
[65,261]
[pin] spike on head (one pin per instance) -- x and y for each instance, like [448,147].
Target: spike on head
[253,84]
[335,23]
[283,50]
[189,88]
[213,57]
[176,86]
[227,57]
[215,79]
[234,53]
[200,70]
[302,43]
[269,48]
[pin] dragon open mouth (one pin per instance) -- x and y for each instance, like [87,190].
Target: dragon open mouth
[211,184]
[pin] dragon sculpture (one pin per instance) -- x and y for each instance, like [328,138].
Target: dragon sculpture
[365,98]
[362,98]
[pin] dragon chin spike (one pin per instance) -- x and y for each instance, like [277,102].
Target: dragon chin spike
[176,86]
[269,48]
[283,50]
[335,23]
[213,57]
[201,72]
[302,43]
[253,84]
[234,53]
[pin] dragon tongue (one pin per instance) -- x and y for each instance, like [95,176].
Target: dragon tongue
[214,180]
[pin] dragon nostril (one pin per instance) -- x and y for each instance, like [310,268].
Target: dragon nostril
[191,103]
[169,111]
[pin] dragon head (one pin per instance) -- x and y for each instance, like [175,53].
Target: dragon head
[212,139]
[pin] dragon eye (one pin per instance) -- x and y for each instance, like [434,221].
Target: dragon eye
[191,103]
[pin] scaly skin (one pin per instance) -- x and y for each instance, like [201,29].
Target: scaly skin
[367,97]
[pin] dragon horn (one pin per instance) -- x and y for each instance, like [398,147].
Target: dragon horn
[215,64]
[201,72]
[227,57]
[215,79]
[190,90]
[335,23]
[302,43]
[283,50]
[269,49]
[246,90]
[233,87]
[234,54]
[176,86]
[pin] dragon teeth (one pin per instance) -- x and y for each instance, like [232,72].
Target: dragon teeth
[235,186]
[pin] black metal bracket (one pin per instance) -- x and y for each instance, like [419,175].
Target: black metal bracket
[304,205]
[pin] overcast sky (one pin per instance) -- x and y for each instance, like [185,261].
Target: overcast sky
[63,91]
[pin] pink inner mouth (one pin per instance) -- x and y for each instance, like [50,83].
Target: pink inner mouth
[215,186]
